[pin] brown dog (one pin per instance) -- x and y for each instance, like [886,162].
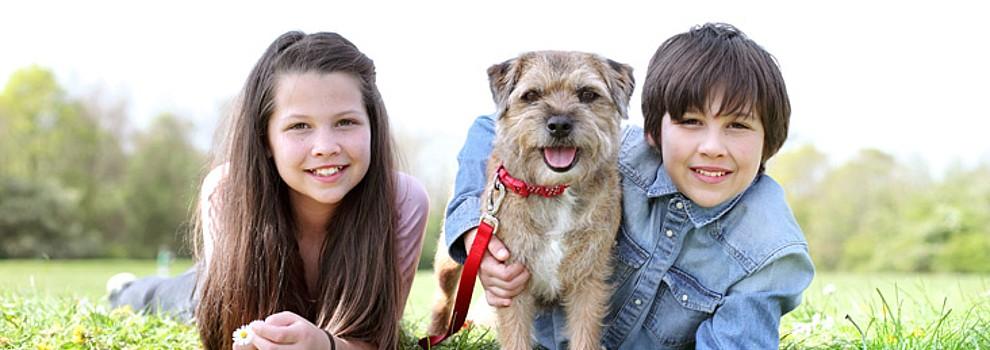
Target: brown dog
[558,124]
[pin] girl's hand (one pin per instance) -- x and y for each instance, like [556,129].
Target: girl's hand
[286,330]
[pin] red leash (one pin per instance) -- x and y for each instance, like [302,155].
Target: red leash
[486,228]
[465,287]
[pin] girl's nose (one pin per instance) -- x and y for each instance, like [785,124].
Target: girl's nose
[325,144]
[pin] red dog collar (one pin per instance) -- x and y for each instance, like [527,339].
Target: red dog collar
[523,189]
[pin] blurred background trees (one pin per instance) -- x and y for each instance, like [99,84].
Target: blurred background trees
[76,181]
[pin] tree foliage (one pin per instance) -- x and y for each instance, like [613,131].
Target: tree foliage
[69,183]
[873,213]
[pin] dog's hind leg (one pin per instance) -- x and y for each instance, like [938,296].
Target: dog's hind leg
[447,272]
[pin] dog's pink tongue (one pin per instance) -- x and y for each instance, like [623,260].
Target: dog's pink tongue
[559,157]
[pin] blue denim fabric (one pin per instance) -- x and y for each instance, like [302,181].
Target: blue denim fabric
[685,276]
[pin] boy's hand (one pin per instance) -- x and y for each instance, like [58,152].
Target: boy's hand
[502,281]
[286,330]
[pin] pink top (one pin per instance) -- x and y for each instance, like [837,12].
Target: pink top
[412,203]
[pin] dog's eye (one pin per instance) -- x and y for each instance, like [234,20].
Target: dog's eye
[587,96]
[531,96]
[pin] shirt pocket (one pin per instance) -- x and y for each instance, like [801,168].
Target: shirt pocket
[680,308]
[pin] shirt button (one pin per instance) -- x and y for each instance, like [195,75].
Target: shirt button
[679,205]
[637,301]
[684,297]
[670,233]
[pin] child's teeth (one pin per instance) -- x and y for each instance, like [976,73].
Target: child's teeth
[326,171]
[710,173]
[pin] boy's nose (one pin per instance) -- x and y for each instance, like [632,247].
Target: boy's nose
[712,145]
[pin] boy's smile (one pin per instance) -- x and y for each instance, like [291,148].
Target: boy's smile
[711,158]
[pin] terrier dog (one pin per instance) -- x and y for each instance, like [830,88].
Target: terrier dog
[557,127]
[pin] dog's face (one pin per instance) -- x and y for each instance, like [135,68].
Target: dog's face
[559,113]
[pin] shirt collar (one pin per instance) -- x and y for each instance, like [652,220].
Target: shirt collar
[699,216]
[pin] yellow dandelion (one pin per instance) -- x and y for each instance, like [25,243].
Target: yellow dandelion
[122,311]
[891,339]
[243,335]
[44,346]
[918,333]
[79,335]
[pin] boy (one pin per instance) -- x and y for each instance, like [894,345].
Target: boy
[708,254]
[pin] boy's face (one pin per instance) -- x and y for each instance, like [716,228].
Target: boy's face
[711,158]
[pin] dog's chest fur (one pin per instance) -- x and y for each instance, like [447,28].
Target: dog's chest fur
[551,223]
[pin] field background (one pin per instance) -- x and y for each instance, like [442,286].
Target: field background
[915,303]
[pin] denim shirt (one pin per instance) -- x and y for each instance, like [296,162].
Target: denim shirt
[685,276]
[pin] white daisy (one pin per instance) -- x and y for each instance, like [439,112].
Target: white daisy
[829,289]
[243,335]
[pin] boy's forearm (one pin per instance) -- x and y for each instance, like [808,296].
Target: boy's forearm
[464,209]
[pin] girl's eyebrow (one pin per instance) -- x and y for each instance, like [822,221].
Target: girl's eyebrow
[306,116]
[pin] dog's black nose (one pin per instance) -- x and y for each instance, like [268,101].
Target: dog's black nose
[559,126]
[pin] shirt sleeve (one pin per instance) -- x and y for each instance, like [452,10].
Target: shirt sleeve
[414,209]
[464,209]
[749,317]
[209,207]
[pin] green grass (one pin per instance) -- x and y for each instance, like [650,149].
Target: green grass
[61,304]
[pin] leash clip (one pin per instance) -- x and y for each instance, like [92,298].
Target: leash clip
[495,197]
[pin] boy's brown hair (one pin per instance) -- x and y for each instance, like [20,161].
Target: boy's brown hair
[716,58]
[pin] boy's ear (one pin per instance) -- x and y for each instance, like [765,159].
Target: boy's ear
[502,79]
[620,81]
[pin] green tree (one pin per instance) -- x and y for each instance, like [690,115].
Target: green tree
[161,182]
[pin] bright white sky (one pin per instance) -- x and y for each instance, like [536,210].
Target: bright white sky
[903,78]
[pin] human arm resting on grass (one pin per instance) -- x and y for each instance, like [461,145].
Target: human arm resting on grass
[501,281]
[749,316]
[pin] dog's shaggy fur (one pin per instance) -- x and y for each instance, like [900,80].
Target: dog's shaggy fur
[565,241]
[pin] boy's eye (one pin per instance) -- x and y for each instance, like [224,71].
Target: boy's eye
[738,125]
[689,121]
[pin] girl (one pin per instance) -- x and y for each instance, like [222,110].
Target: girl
[309,234]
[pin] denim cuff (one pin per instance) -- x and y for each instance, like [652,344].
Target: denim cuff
[458,222]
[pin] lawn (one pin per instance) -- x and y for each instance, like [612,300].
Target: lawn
[895,311]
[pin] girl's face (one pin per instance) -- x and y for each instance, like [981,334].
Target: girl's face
[711,158]
[320,137]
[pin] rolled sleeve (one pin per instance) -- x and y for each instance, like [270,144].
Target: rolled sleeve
[464,209]
[749,317]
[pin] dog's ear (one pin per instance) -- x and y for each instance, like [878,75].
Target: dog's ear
[620,82]
[502,78]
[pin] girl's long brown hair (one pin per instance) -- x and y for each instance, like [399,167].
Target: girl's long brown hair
[255,269]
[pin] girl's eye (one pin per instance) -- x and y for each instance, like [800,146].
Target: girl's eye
[346,122]
[297,126]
